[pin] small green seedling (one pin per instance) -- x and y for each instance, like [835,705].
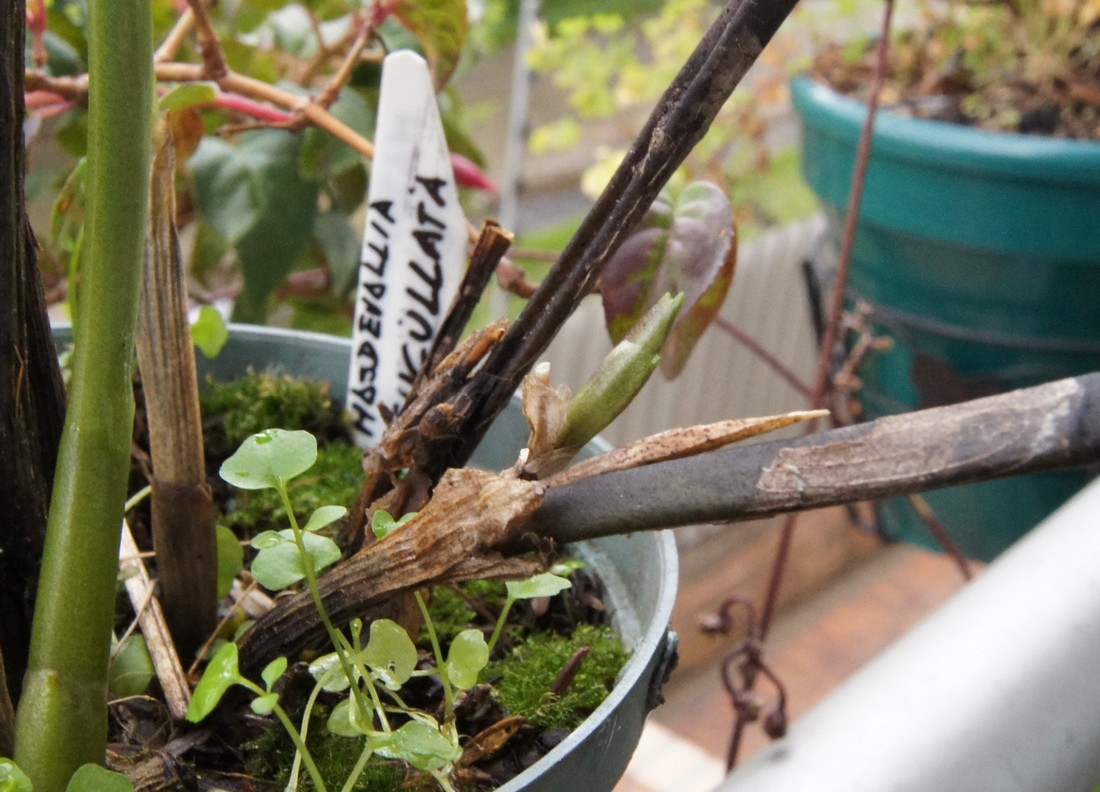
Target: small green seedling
[222,673]
[269,460]
[546,584]
[382,524]
[374,674]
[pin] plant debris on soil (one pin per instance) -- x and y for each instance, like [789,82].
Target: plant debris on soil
[557,658]
[1031,68]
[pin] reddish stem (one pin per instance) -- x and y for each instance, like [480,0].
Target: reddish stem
[836,310]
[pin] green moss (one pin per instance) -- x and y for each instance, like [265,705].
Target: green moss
[334,479]
[273,754]
[525,676]
[234,410]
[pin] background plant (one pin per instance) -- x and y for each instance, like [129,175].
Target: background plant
[612,66]
[268,201]
[1011,65]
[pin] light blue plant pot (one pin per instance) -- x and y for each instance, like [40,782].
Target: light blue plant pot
[639,571]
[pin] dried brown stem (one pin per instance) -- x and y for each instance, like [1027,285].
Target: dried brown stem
[819,392]
[213,59]
[172,43]
[474,514]
[183,508]
[680,119]
[758,349]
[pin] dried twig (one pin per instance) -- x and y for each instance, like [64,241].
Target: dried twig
[154,627]
[474,515]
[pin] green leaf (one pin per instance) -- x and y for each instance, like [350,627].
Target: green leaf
[263,705]
[346,720]
[12,779]
[188,95]
[209,332]
[440,27]
[220,675]
[254,196]
[685,245]
[382,524]
[420,744]
[269,459]
[272,671]
[131,669]
[281,565]
[390,653]
[326,515]
[541,585]
[467,656]
[265,540]
[230,559]
[340,244]
[93,778]
[322,154]
[620,376]
[329,673]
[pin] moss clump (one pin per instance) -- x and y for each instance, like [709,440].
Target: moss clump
[451,610]
[523,679]
[335,478]
[273,753]
[232,411]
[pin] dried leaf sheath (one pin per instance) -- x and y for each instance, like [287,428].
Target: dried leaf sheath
[451,539]
[183,509]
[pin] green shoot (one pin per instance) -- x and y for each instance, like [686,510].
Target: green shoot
[545,584]
[222,673]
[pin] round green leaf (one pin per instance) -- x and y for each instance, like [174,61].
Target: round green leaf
[281,566]
[263,705]
[220,675]
[390,653]
[382,523]
[270,458]
[265,540]
[12,779]
[131,669]
[467,656]
[209,332]
[346,721]
[419,744]
[541,585]
[93,778]
[329,673]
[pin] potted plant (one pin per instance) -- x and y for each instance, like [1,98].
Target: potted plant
[61,714]
[60,724]
[977,243]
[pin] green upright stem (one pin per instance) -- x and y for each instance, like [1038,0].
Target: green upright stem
[62,719]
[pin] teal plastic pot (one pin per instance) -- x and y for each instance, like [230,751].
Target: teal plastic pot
[979,253]
[639,571]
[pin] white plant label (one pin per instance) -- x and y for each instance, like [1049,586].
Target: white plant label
[414,246]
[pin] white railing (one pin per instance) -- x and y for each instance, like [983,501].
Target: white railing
[999,690]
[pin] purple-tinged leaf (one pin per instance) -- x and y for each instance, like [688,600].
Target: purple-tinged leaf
[686,244]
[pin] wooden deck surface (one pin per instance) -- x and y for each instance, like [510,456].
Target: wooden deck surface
[846,598]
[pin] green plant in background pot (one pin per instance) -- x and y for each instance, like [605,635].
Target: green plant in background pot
[977,251]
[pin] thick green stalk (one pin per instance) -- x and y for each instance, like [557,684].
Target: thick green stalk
[62,719]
